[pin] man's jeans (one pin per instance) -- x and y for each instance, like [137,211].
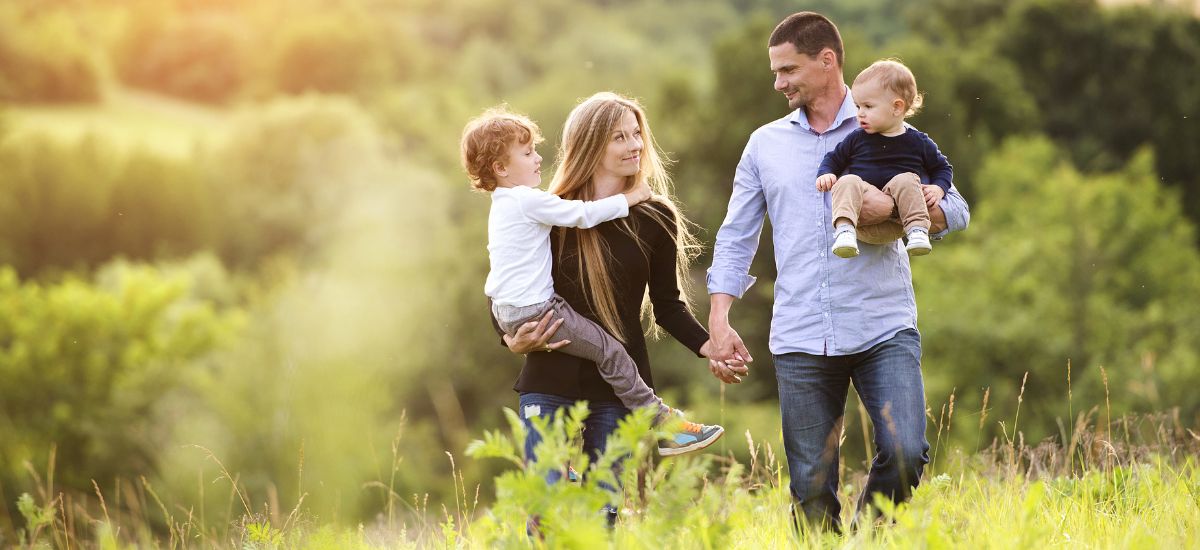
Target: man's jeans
[812,401]
[600,423]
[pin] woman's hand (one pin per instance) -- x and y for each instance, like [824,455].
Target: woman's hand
[535,336]
[727,372]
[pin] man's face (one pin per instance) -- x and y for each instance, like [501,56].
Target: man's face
[798,76]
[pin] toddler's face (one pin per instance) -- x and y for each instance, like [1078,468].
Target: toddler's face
[880,111]
[524,165]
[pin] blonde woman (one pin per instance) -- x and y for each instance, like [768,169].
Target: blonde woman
[605,271]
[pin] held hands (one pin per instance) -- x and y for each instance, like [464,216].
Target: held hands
[933,194]
[727,355]
[638,194]
[535,336]
[825,182]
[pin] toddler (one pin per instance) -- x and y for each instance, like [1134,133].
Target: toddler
[886,153]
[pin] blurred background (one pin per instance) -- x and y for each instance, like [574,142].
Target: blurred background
[237,229]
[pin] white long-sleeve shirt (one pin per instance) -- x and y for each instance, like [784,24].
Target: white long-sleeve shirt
[519,239]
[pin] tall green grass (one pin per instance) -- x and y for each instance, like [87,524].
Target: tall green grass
[1131,483]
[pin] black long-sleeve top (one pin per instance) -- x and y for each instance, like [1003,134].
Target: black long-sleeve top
[632,271]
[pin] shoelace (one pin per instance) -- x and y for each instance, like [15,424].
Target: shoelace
[691,427]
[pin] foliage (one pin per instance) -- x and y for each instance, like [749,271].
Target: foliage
[88,365]
[45,57]
[200,57]
[79,205]
[1060,267]
[320,53]
[285,171]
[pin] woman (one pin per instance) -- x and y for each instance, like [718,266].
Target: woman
[604,272]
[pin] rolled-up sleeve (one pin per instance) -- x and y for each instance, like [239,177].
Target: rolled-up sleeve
[737,240]
[958,214]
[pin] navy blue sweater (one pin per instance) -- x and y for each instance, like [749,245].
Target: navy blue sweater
[877,158]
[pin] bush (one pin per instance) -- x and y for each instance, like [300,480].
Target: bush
[44,59]
[87,367]
[285,172]
[199,57]
[329,55]
[79,205]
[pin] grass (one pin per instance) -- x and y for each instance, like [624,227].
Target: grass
[127,119]
[1092,492]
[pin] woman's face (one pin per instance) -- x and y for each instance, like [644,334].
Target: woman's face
[623,154]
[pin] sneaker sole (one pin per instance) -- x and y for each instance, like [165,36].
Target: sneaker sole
[919,251]
[846,252]
[676,451]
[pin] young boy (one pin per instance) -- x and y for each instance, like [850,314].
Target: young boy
[499,156]
[888,154]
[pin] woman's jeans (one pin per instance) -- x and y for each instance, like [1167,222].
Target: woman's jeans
[812,401]
[600,423]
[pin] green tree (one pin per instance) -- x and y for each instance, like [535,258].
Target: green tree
[1061,266]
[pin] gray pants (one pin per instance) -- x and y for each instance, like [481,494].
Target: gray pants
[588,341]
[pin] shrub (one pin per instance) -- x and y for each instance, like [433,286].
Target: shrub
[44,59]
[201,57]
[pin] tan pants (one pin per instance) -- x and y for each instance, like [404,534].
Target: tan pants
[910,210]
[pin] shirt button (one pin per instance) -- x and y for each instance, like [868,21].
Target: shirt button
[826,315]
[823,285]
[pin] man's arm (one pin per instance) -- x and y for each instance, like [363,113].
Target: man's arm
[950,214]
[954,213]
[729,277]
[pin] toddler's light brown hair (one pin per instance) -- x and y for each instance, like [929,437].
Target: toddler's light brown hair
[486,140]
[892,75]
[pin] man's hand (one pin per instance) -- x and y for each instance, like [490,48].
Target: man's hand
[877,207]
[727,354]
[535,336]
[725,372]
[933,194]
[825,182]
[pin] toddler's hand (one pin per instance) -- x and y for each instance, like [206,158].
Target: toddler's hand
[825,182]
[638,194]
[933,194]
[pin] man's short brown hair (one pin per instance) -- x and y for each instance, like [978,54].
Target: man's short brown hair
[810,33]
[486,139]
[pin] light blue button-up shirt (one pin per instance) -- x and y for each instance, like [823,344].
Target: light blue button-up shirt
[824,305]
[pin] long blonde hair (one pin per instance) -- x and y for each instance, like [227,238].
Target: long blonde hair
[585,140]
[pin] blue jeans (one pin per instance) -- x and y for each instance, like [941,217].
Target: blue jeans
[812,401]
[600,423]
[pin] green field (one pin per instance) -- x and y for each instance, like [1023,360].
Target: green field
[126,120]
[1096,493]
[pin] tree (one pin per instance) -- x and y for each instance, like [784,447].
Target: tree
[1061,266]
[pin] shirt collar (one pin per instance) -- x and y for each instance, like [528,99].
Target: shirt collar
[845,112]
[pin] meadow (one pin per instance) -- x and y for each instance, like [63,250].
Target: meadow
[241,273]
[1131,483]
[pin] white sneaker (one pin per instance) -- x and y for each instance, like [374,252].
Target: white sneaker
[918,243]
[846,244]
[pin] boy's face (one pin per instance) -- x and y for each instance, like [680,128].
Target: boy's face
[880,111]
[522,166]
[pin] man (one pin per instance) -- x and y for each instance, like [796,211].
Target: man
[834,321]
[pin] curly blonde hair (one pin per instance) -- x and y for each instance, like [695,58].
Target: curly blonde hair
[486,140]
[895,77]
